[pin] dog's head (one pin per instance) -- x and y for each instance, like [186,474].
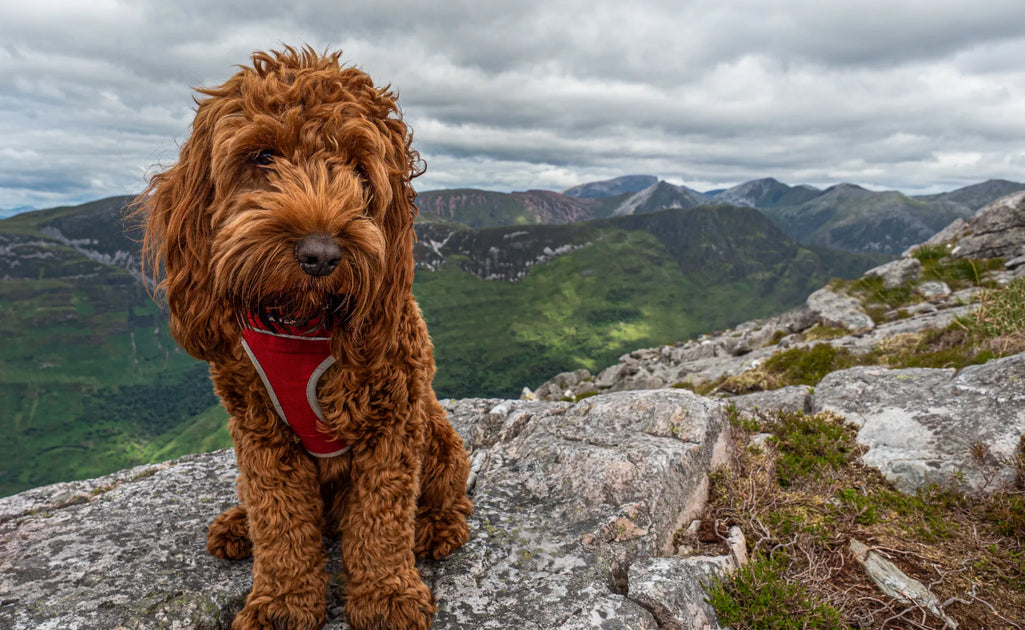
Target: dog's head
[291,199]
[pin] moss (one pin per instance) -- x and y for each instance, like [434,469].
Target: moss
[820,331]
[744,422]
[1001,312]
[950,347]
[1007,513]
[750,381]
[930,253]
[796,366]
[759,597]
[959,273]
[807,366]
[875,296]
[810,445]
[701,389]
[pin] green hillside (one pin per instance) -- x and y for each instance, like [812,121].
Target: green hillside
[643,280]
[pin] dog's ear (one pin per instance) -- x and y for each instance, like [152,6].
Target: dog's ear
[402,163]
[175,209]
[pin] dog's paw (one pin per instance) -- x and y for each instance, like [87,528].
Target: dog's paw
[267,613]
[384,609]
[228,536]
[440,532]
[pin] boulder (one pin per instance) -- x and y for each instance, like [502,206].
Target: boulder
[836,309]
[897,272]
[933,290]
[996,231]
[794,398]
[924,425]
[572,504]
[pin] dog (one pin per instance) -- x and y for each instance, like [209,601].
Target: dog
[283,240]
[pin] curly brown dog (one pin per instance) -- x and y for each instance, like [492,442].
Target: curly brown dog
[284,236]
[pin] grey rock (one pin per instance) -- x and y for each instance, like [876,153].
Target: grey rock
[793,398]
[736,346]
[897,273]
[566,385]
[932,318]
[835,309]
[922,425]
[568,498]
[670,588]
[697,361]
[126,550]
[996,231]
[933,290]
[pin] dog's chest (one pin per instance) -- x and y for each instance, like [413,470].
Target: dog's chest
[290,362]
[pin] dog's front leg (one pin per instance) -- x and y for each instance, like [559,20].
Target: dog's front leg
[284,508]
[384,588]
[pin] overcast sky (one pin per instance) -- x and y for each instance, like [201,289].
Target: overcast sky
[920,96]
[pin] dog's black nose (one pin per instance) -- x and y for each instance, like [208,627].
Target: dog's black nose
[318,254]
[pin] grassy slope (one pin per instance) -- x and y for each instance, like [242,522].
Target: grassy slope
[584,309]
[89,376]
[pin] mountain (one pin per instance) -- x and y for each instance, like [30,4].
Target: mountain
[977,195]
[766,193]
[659,196]
[844,216]
[538,297]
[485,208]
[10,212]
[93,382]
[853,218]
[612,187]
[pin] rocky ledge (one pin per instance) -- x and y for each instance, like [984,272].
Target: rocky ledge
[576,507]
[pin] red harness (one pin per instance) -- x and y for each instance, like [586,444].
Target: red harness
[290,361]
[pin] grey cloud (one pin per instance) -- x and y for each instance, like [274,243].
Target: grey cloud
[539,94]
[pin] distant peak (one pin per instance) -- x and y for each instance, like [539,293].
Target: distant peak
[846,186]
[612,187]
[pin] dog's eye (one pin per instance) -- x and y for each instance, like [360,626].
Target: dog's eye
[263,158]
[361,173]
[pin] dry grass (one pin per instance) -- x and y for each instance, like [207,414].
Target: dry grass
[801,498]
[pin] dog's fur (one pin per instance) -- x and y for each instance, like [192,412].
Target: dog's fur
[297,145]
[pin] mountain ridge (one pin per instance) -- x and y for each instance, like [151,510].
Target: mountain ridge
[844,216]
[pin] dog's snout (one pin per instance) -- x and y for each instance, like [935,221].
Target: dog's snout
[318,254]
